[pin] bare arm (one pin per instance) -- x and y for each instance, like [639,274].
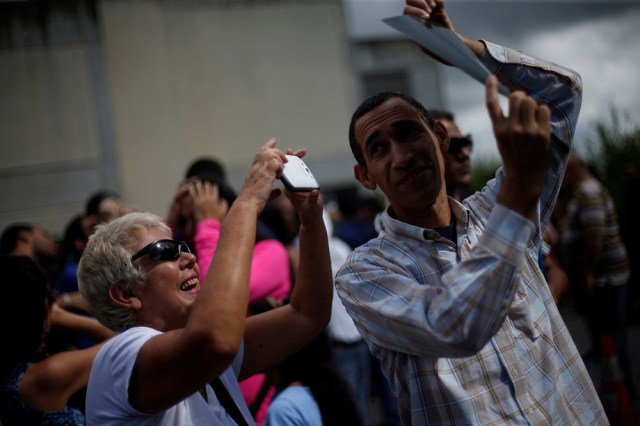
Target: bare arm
[48,384]
[72,300]
[272,336]
[177,363]
[84,326]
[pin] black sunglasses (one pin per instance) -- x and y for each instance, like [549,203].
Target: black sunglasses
[162,250]
[456,144]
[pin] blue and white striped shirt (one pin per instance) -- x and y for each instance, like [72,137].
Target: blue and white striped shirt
[468,333]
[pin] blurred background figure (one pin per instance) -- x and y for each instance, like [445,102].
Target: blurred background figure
[25,239]
[65,287]
[75,239]
[594,256]
[33,241]
[102,205]
[358,213]
[106,205]
[458,159]
[181,217]
[631,237]
[38,389]
[355,225]
[556,276]
[350,357]
[309,391]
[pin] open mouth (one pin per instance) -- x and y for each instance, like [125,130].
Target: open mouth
[412,176]
[190,284]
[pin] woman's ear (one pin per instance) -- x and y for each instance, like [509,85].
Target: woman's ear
[362,175]
[125,297]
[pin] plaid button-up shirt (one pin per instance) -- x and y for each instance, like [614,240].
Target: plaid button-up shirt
[468,333]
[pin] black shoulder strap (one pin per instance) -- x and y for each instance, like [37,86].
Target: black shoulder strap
[227,402]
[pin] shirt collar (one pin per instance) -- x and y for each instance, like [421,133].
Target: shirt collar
[393,226]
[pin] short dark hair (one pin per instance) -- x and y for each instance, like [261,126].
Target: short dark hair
[9,238]
[211,170]
[373,102]
[96,198]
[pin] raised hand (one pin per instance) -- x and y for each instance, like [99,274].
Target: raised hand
[524,139]
[308,205]
[207,203]
[432,10]
[266,168]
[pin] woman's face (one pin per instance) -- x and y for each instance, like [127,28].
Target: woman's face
[171,286]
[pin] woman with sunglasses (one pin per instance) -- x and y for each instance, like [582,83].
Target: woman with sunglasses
[184,344]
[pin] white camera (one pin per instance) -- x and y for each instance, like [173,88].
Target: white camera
[296,176]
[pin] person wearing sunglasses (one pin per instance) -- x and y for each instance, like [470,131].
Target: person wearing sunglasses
[185,343]
[457,168]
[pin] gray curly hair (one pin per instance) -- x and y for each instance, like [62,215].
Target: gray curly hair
[107,260]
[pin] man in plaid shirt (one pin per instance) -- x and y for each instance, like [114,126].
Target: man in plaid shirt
[449,296]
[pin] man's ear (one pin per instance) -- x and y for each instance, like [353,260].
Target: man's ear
[443,136]
[362,175]
[124,297]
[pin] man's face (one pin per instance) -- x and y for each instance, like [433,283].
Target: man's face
[402,155]
[458,159]
[43,244]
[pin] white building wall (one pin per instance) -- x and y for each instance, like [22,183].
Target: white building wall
[127,101]
[187,81]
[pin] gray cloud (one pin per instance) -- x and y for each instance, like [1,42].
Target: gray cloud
[600,41]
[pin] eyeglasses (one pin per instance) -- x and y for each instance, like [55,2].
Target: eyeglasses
[456,144]
[162,250]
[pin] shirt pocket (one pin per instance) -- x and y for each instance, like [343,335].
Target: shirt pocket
[521,314]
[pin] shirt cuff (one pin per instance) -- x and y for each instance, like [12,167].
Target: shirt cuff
[495,56]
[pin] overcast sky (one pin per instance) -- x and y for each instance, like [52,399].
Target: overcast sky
[599,39]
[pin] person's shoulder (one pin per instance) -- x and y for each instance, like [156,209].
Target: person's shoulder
[292,399]
[294,405]
[369,246]
[133,337]
[368,253]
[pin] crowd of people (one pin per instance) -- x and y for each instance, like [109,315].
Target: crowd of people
[264,306]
